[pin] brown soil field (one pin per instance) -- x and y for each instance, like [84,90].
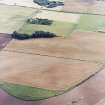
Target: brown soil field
[44,72]
[85,6]
[88,46]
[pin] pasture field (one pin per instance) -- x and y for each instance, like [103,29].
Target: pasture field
[91,23]
[27,92]
[13,17]
[58,28]
[63,23]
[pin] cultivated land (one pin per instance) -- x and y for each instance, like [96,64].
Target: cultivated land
[85,6]
[80,45]
[45,72]
[42,68]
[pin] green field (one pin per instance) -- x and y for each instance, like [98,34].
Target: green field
[86,23]
[91,23]
[59,28]
[13,17]
[28,93]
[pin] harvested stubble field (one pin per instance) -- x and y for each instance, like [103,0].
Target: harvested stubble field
[85,6]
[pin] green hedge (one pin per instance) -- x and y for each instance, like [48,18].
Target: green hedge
[36,34]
